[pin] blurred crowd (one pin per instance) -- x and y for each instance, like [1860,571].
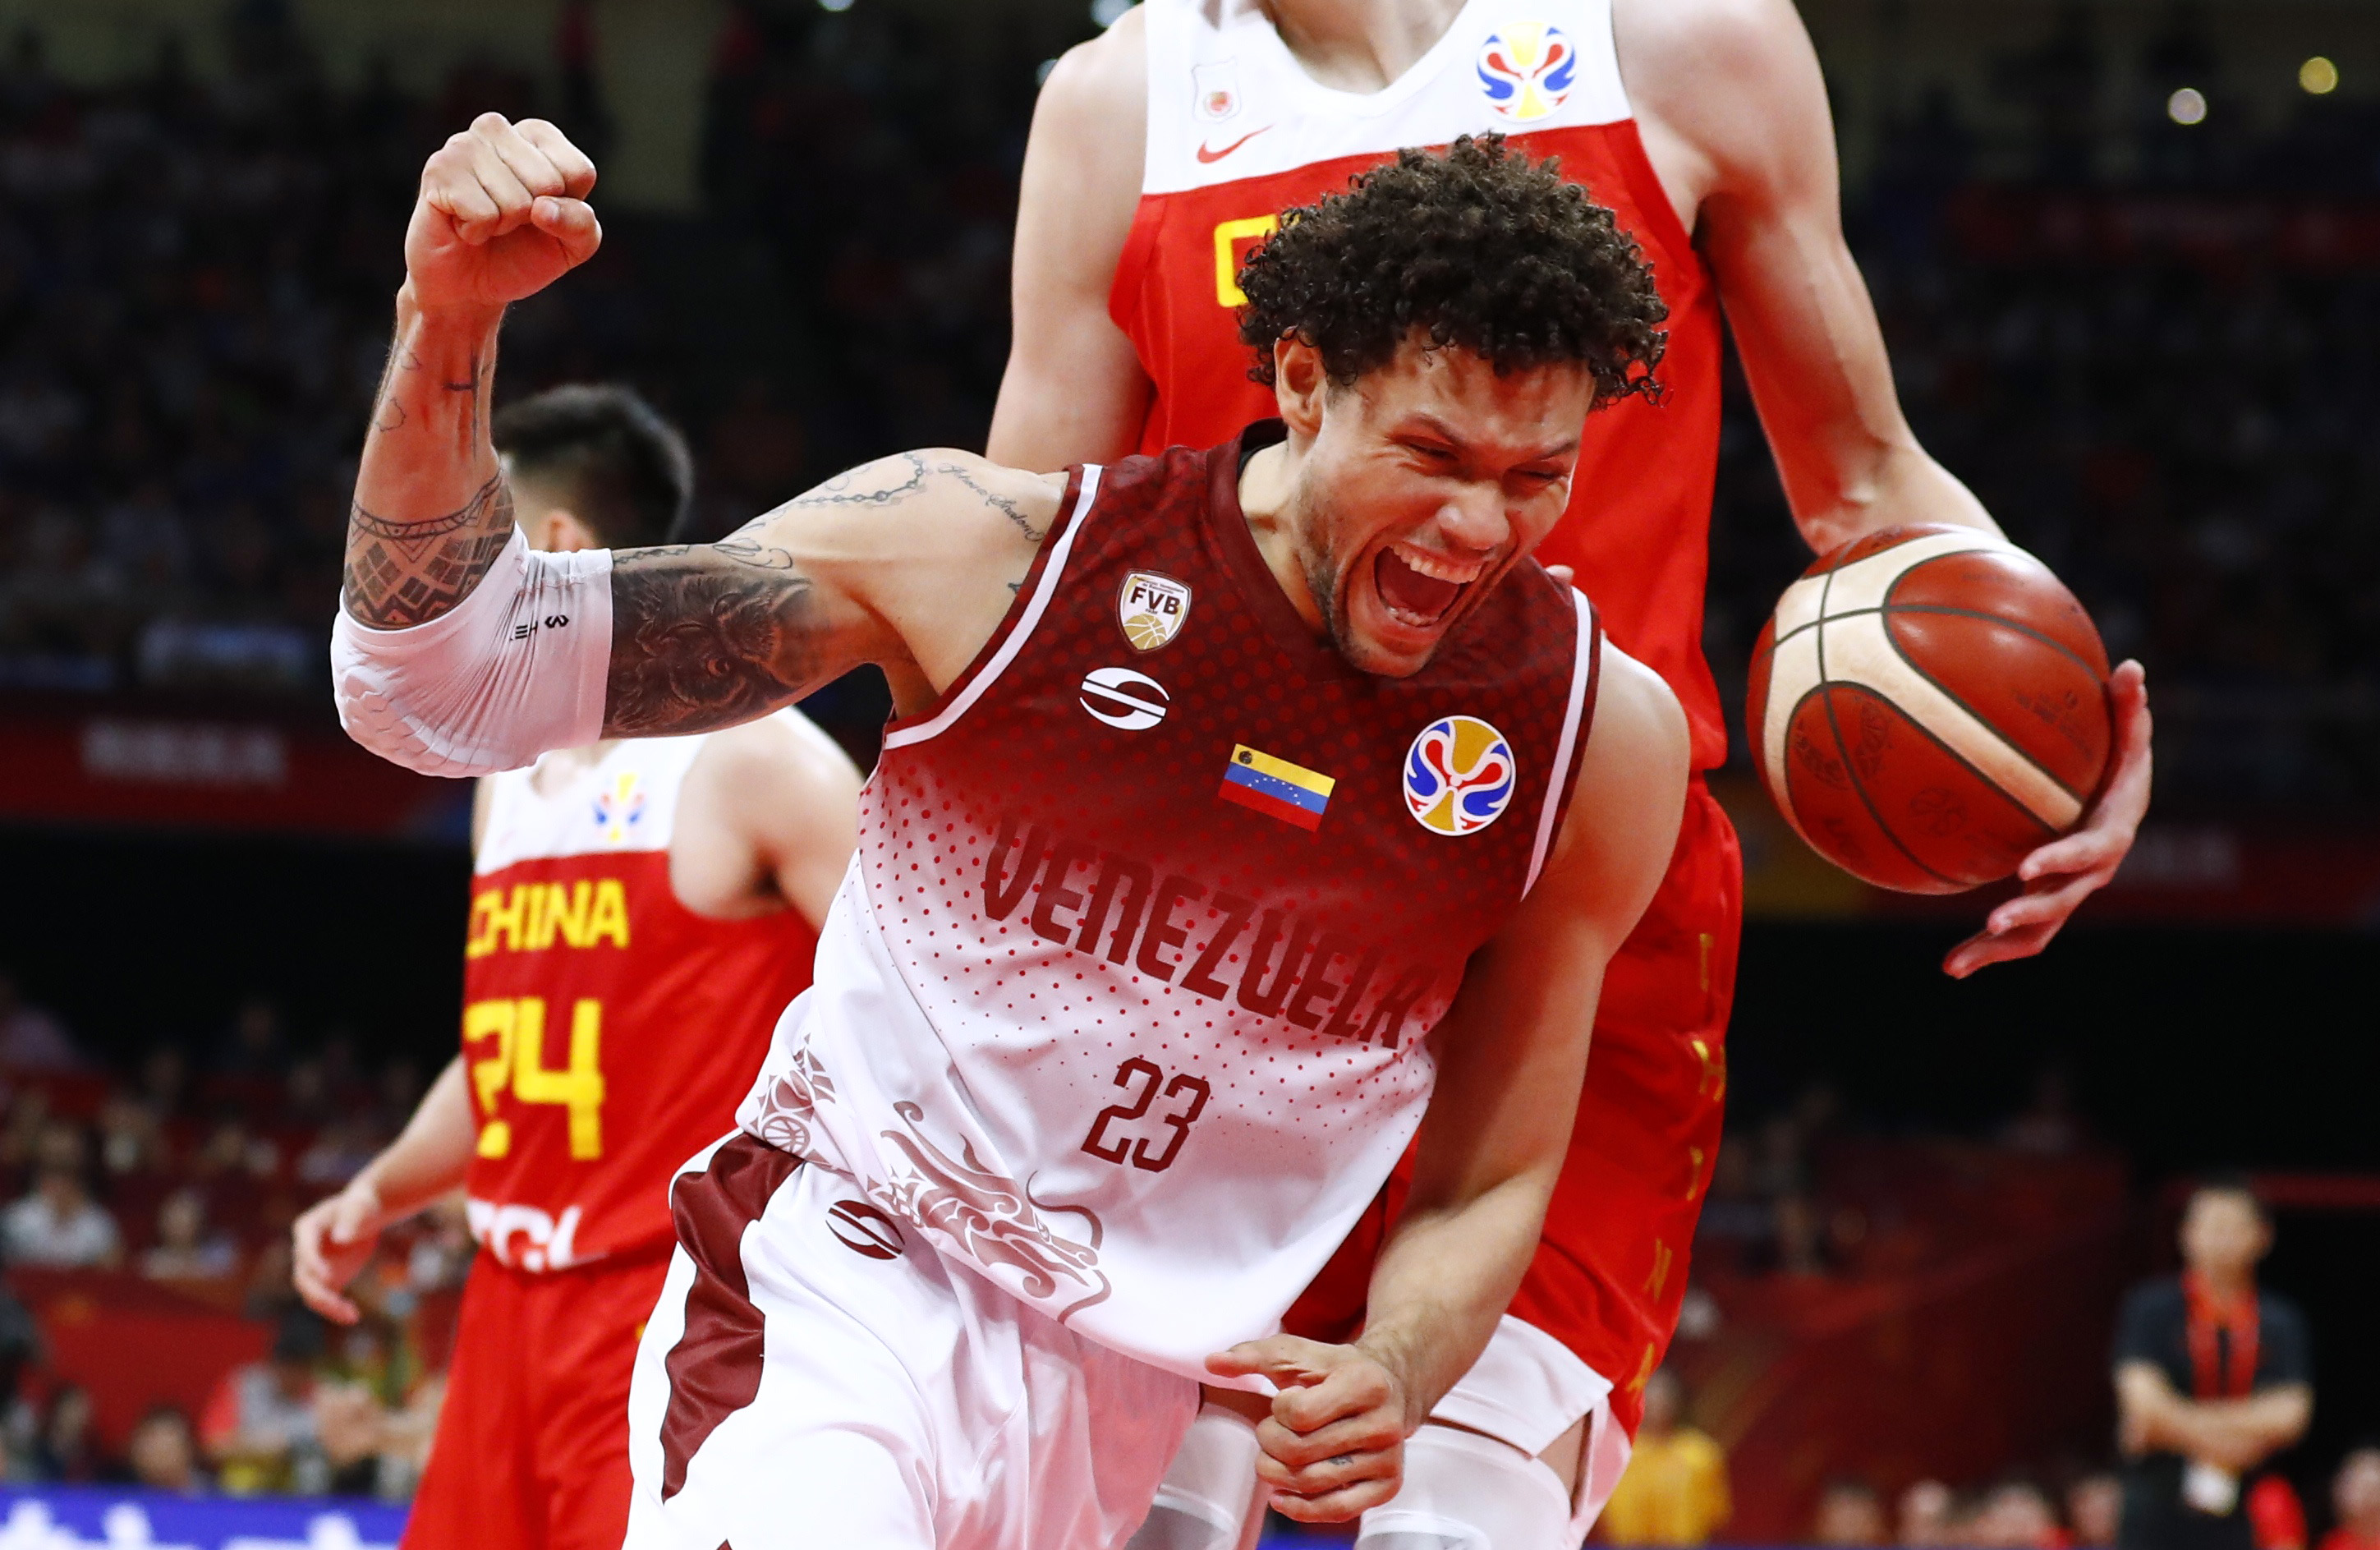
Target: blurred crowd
[195,283]
[1675,1492]
[186,1174]
[1768,1210]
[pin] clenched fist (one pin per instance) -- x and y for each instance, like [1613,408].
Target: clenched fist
[1334,1440]
[503,213]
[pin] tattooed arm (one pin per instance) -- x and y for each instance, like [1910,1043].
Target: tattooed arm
[500,214]
[909,563]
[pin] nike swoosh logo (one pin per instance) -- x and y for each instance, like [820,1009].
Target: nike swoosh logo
[1206,156]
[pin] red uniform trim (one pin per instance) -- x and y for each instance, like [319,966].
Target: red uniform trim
[714,1369]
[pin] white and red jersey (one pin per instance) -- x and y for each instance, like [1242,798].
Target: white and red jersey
[608,1031]
[1238,132]
[1123,1000]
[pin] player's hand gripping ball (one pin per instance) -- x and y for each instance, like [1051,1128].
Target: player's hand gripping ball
[1928,705]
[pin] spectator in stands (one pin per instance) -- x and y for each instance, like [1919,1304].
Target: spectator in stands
[164,1080]
[185,1249]
[2213,1377]
[65,1453]
[21,1140]
[252,1047]
[2095,1504]
[1927,1517]
[2014,1516]
[164,1453]
[2048,1125]
[130,1141]
[259,1426]
[352,1427]
[1675,1488]
[2355,1496]
[58,1224]
[1850,1516]
[30,1038]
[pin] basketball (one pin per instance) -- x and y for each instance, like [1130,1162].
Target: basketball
[1927,706]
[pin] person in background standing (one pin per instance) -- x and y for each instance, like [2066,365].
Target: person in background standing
[1675,1488]
[2355,1496]
[2213,1377]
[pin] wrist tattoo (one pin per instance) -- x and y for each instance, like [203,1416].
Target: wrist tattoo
[402,573]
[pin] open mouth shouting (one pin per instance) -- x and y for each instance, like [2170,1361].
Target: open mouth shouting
[1418,588]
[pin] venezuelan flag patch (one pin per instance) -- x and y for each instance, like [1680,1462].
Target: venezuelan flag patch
[1276,788]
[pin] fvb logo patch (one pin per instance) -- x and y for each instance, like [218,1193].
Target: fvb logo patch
[1527,70]
[1151,608]
[1460,775]
[619,807]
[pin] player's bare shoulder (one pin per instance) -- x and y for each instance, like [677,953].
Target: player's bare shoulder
[935,543]
[1097,96]
[1723,92]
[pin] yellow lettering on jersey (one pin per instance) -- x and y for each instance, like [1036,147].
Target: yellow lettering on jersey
[569,913]
[495,913]
[529,916]
[1644,1374]
[1660,1277]
[1714,1078]
[578,1085]
[491,1019]
[1695,1177]
[610,916]
[1228,236]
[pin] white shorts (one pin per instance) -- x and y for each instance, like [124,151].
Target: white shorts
[1527,1389]
[813,1376]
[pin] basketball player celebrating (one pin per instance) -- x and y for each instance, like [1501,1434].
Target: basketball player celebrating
[641,911]
[1162,154]
[1221,824]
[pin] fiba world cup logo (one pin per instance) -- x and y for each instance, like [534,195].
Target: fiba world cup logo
[1527,70]
[1460,775]
[618,807]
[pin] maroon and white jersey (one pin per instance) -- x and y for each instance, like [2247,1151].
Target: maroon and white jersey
[1122,1002]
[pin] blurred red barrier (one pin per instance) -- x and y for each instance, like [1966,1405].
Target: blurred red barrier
[75,762]
[1970,1333]
[133,1343]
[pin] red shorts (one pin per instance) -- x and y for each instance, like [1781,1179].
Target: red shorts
[1612,1268]
[532,1444]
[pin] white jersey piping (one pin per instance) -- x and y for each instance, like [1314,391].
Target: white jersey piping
[1581,671]
[1038,605]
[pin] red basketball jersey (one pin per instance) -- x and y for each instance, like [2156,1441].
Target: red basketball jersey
[1124,1002]
[1238,132]
[608,1031]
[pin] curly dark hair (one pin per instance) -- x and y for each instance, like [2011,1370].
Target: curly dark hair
[1476,246]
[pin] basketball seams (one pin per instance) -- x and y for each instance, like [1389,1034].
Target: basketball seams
[1884,627]
[1958,758]
[1850,769]
[1835,727]
[1979,742]
[1947,610]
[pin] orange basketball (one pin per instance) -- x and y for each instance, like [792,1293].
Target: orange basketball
[1928,704]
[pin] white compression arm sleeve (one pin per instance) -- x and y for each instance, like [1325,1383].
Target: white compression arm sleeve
[517,668]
